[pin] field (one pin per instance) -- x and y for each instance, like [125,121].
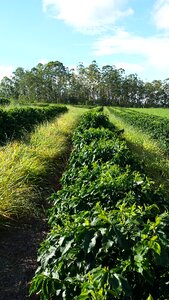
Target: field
[161,112]
[148,140]
[33,163]
[108,225]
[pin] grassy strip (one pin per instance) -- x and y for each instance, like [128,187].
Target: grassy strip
[147,150]
[29,171]
[109,230]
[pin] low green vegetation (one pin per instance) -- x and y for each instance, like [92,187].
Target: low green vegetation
[157,127]
[18,121]
[161,112]
[109,224]
[146,150]
[30,169]
[4,102]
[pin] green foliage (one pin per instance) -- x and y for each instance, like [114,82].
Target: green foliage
[109,236]
[14,122]
[30,171]
[160,112]
[4,102]
[85,85]
[94,120]
[156,126]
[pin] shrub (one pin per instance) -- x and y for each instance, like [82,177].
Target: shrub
[4,102]
[109,236]
[16,121]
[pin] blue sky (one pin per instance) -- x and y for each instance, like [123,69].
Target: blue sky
[132,34]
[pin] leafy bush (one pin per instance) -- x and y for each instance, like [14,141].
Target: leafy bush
[16,121]
[157,127]
[109,236]
[4,102]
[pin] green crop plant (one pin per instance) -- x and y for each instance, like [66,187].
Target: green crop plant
[156,126]
[30,170]
[145,149]
[16,122]
[161,112]
[109,225]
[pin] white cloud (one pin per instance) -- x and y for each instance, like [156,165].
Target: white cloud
[154,50]
[6,71]
[131,67]
[88,15]
[43,61]
[161,14]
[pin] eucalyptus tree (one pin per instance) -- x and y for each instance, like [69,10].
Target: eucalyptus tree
[45,83]
[19,82]
[53,82]
[165,100]
[111,85]
[56,80]
[7,88]
[93,78]
[34,85]
[83,83]
[159,93]
[154,93]
[75,88]
[133,91]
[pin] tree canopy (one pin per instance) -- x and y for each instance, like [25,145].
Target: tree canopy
[91,85]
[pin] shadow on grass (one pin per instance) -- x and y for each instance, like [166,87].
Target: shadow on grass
[155,165]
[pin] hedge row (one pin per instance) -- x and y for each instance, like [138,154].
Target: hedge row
[109,236]
[157,127]
[16,121]
[4,102]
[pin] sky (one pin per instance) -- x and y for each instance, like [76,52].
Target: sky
[129,34]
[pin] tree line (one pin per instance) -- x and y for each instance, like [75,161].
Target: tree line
[91,85]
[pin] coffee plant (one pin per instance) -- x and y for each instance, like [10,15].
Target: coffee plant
[14,122]
[109,235]
[156,126]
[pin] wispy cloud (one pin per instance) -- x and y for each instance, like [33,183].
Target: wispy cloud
[154,49]
[161,14]
[6,71]
[131,67]
[43,61]
[88,16]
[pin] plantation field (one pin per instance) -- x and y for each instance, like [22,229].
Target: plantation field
[30,167]
[109,224]
[155,126]
[17,122]
[146,149]
[161,112]
[109,219]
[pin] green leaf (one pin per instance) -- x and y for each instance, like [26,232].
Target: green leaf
[126,286]
[156,247]
[67,247]
[150,298]
[92,243]
[83,296]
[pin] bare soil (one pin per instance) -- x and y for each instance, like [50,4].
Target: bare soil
[18,258]
[20,243]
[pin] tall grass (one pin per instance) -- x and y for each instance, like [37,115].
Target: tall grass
[30,169]
[146,150]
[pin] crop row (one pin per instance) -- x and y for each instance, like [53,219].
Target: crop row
[156,126]
[16,121]
[109,236]
[4,102]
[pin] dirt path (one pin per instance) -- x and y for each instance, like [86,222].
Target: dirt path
[18,254]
